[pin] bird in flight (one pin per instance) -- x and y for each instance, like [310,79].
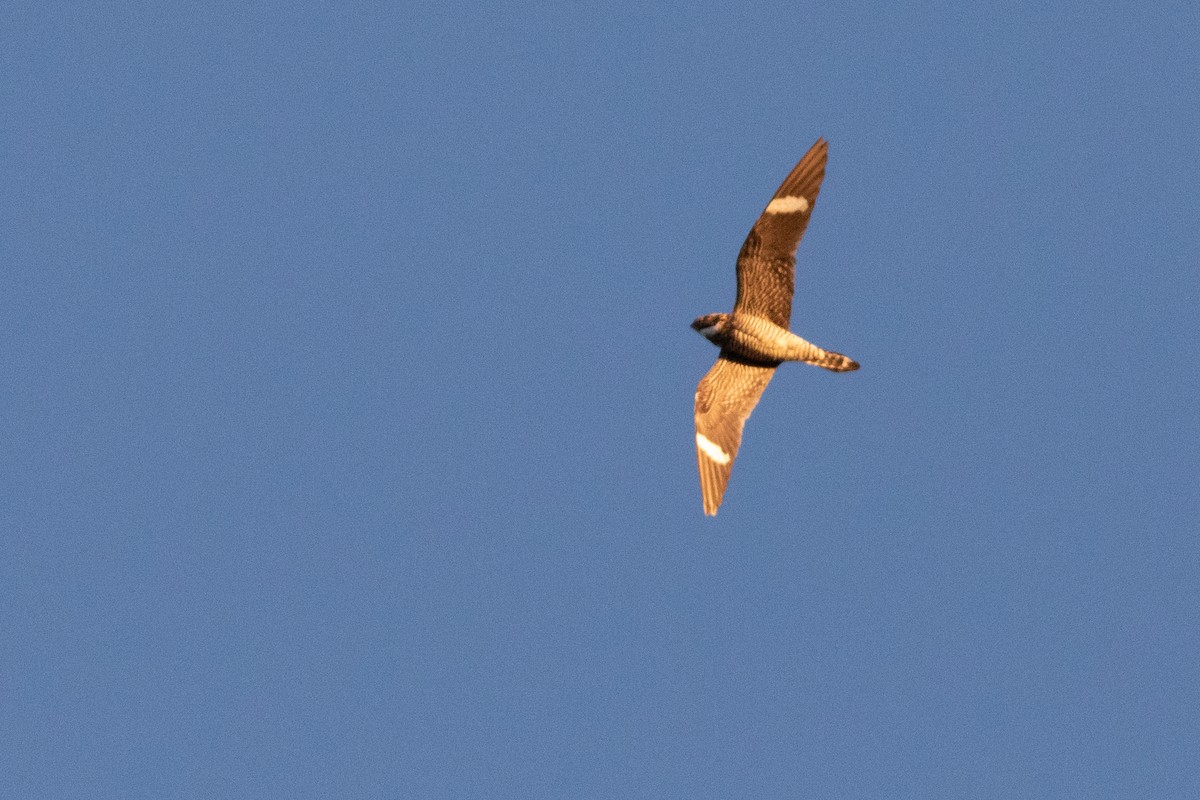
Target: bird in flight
[755,339]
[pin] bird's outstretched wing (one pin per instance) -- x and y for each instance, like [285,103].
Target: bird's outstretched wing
[724,400]
[766,266]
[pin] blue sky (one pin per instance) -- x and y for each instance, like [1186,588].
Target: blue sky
[348,417]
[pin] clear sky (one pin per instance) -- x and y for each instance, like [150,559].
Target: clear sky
[347,419]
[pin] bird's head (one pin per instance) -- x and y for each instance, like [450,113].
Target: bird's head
[711,326]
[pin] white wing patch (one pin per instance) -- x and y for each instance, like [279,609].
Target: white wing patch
[787,205]
[711,449]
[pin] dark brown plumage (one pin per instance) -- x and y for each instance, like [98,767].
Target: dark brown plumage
[766,265]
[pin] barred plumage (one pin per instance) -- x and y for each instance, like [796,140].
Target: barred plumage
[755,339]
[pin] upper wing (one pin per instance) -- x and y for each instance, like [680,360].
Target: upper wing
[724,400]
[767,262]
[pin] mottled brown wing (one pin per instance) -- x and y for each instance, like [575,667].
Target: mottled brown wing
[766,266]
[724,400]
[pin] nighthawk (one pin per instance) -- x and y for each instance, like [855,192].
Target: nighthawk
[755,339]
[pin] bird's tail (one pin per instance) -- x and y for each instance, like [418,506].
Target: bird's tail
[836,362]
[800,350]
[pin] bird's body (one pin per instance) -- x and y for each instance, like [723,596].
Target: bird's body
[755,338]
[758,339]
